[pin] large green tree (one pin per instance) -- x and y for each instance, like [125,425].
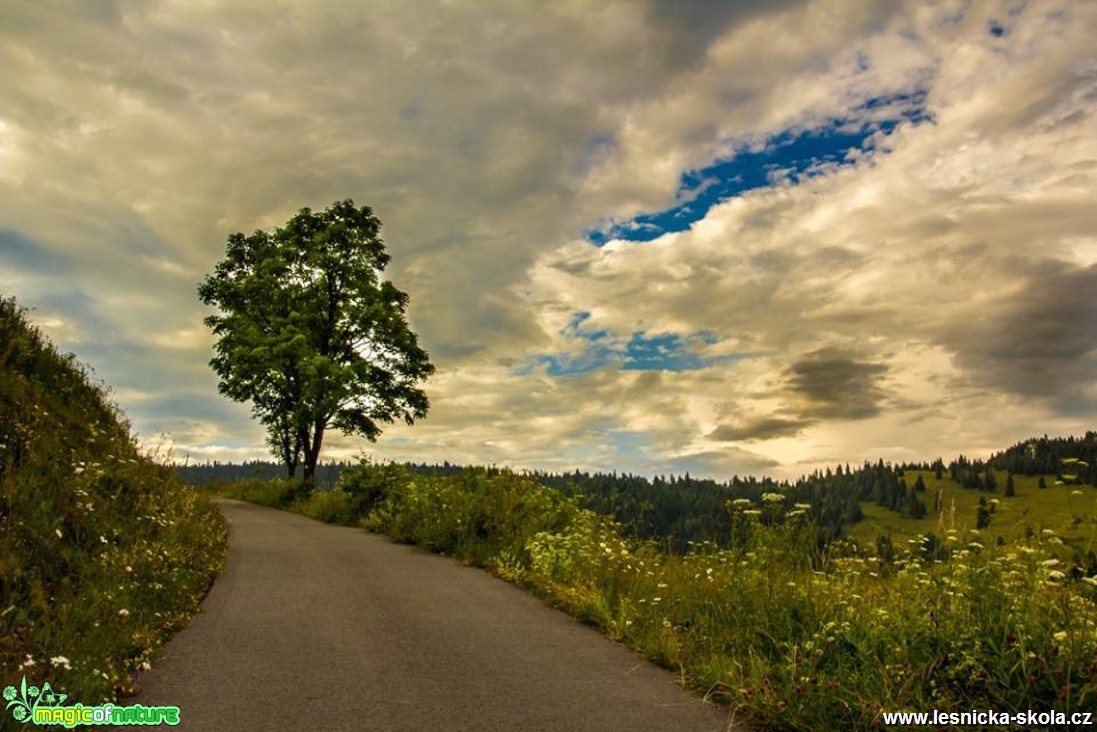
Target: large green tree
[310,332]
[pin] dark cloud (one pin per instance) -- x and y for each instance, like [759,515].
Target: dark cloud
[766,428]
[1041,342]
[832,385]
[691,26]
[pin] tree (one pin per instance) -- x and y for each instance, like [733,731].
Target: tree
[982,514]
[990,481]
[312,335]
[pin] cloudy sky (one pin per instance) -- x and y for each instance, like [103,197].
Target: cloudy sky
[646,235]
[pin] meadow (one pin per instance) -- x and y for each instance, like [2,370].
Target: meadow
[788,636]
[1070,512]
[104,553]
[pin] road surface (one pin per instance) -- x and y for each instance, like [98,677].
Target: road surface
[321,627]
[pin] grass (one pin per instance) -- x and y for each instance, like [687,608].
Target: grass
[1070,512]
[828,640]
[104,554]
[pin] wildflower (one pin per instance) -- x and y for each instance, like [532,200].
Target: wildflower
[58,532]
[60,661]
[1060,636]
[123,612]
[772,497]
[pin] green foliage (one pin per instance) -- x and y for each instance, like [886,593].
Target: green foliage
[311,334]
[1050,455]
[103,552]
[793,638]
[477,514]
[276,493]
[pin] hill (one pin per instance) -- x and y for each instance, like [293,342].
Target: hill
[103,552]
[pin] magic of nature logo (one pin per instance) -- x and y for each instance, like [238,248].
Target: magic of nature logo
[43,706]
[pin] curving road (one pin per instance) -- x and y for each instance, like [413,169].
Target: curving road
[320,627]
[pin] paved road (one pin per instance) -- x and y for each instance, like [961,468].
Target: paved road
[320,627]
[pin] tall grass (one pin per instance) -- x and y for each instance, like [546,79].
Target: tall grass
[103,553]
[792,637]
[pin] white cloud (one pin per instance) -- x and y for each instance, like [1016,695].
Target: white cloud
[488,137]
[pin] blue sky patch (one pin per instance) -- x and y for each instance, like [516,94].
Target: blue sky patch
[640,352]
[790,156]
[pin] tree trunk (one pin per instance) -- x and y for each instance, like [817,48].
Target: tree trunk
[312,452]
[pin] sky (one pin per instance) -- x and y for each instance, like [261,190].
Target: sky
[651,236]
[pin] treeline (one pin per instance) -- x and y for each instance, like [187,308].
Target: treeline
[211,472]
[683,509]
[675,509]
[678,510]
[1049,456]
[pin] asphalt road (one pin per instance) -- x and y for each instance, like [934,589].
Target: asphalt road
[320,627]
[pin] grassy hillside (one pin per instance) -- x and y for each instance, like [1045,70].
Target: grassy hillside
[1069,512]
[103,552]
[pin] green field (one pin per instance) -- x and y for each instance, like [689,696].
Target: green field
[1069,512]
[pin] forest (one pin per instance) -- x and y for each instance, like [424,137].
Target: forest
[679,510]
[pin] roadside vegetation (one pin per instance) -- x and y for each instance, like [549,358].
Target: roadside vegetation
[790,632]
[104,553]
